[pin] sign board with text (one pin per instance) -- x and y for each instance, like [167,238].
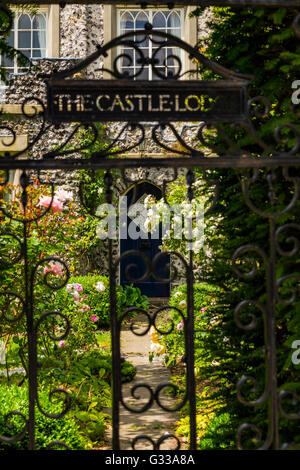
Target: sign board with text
[136,101]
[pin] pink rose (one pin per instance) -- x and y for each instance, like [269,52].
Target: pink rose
[94,318]
[62,344]
[54,268]
[56,206]
[79,287]
[45,201]
[203,309]
[180,325]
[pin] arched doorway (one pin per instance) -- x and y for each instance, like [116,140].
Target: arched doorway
[149,247]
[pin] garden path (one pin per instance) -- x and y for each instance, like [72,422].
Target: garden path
[155,422]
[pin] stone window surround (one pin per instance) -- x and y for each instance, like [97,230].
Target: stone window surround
[53,31]
[110,29]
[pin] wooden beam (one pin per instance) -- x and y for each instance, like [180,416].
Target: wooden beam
[19,144]
[196,3]
[17,109]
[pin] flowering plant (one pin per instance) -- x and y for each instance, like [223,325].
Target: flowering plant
[156,347]
[206,298]
[182,220]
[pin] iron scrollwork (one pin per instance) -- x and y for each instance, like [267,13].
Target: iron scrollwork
[23,307]
[166,134]
[150,269]
[268,312]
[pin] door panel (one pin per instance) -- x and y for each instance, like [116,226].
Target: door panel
[136,268]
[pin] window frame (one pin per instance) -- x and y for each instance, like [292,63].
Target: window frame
[150,11]
[52,34]
[44,11]
[111,27]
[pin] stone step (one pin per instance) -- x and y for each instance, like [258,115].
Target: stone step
[158,301]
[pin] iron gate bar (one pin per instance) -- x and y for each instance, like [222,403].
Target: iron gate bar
[285,160]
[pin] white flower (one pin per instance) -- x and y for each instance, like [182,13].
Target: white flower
[74,289]
[100,287]
[177,294]
[157,348]
[149,201]
[75,295]
[64,195]
[182,304]
[70,288]
[147,224]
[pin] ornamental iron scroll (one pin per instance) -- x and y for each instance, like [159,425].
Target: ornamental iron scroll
[271,393]
[165,100]
[157,111]
[164,133]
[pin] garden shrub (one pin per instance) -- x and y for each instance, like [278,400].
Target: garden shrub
[222,355]
[128,372]
[97,363]
[217,434]
[87,377]
[87,301]
[65,429]
[206,301]
[272,58]
[95,304]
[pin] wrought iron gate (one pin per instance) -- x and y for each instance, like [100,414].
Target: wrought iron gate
[72,100]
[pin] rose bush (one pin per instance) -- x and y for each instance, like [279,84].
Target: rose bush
[88,296]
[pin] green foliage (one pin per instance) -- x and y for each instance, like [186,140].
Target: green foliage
[205,302]
[88,379]
[130,296]
[48,430]
[97,301]
[93,423]
[128,372]
[217,434]
[87,376]
[261,43]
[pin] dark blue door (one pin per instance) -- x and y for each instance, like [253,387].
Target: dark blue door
[133,266]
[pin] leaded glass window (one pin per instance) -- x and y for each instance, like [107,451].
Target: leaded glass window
[28,35]
[162,20]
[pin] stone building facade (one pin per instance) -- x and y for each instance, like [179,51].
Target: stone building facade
[71,34]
